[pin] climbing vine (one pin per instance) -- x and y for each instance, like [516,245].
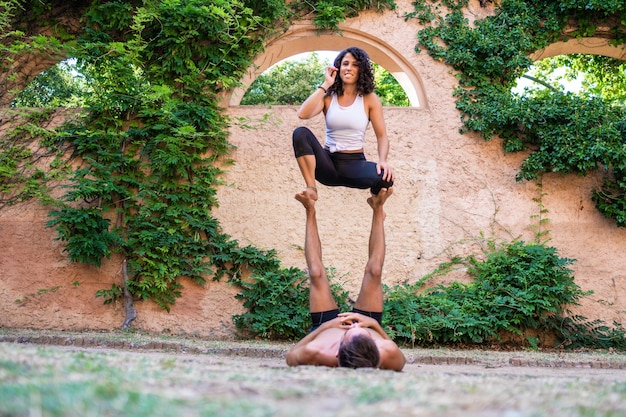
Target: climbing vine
[563,132]
[149,145]
[145,155]
[328,14]
[152,140]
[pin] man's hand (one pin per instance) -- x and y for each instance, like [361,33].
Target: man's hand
[350,318]
[338,322]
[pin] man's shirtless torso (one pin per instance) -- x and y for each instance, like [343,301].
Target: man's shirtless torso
[321,346]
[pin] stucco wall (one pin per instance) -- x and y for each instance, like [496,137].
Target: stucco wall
[451,189]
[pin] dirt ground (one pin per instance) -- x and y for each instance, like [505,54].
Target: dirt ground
[251,378]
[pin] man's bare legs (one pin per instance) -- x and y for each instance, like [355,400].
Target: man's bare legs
[320,298]
[307,164]
[371,294]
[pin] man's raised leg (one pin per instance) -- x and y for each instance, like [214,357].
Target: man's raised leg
[307,164]
[307,149]
[371,294]
[320,298]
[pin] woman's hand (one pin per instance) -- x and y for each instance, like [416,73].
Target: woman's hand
[387,171]
[329,76]
[314,105]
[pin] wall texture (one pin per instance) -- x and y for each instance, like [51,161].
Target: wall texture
[452,193]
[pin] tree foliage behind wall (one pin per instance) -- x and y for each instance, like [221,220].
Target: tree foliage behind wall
[293,81]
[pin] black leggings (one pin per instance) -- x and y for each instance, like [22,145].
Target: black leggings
[317,319]
[338,169]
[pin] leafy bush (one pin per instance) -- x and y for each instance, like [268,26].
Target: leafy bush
[278,303]
[517,288]
[520,290]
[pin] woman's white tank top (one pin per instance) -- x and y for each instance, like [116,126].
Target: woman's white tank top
[345,126]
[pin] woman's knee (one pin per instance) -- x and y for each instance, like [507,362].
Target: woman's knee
[301,141]
[300,134]
[380,184]
[302,130]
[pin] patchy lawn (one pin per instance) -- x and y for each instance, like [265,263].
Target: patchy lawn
[129,374]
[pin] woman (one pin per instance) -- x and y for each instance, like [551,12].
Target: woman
[349,104]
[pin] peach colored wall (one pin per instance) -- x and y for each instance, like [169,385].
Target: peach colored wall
[451,189]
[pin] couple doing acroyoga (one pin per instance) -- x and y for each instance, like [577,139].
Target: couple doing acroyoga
[352,339]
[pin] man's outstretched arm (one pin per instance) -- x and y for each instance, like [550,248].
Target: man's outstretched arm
[299,354]
[391,357]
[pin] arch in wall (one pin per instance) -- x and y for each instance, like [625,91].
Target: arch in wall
[592,46]
[595,46]
[307,38]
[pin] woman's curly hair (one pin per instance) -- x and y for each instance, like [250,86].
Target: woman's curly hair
[365,83]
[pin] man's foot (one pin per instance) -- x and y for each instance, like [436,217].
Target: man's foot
[378,200]
[306,200]
[310,192]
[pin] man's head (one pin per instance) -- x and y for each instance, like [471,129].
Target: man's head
[358,350]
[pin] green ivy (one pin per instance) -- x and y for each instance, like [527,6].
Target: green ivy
[149,139]
[152,134]
[25,170]
[328,14]
[564,133]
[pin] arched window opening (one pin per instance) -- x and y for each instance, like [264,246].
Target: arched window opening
[307,38]
[293,79]
[586,75]
[62,85]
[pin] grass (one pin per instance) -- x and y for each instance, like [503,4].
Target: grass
[50,381]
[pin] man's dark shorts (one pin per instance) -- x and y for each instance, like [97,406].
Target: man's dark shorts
[317,319]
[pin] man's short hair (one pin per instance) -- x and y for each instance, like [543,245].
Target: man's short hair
[359,352]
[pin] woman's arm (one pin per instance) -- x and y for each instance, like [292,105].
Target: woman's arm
[375,114]
[316,102]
